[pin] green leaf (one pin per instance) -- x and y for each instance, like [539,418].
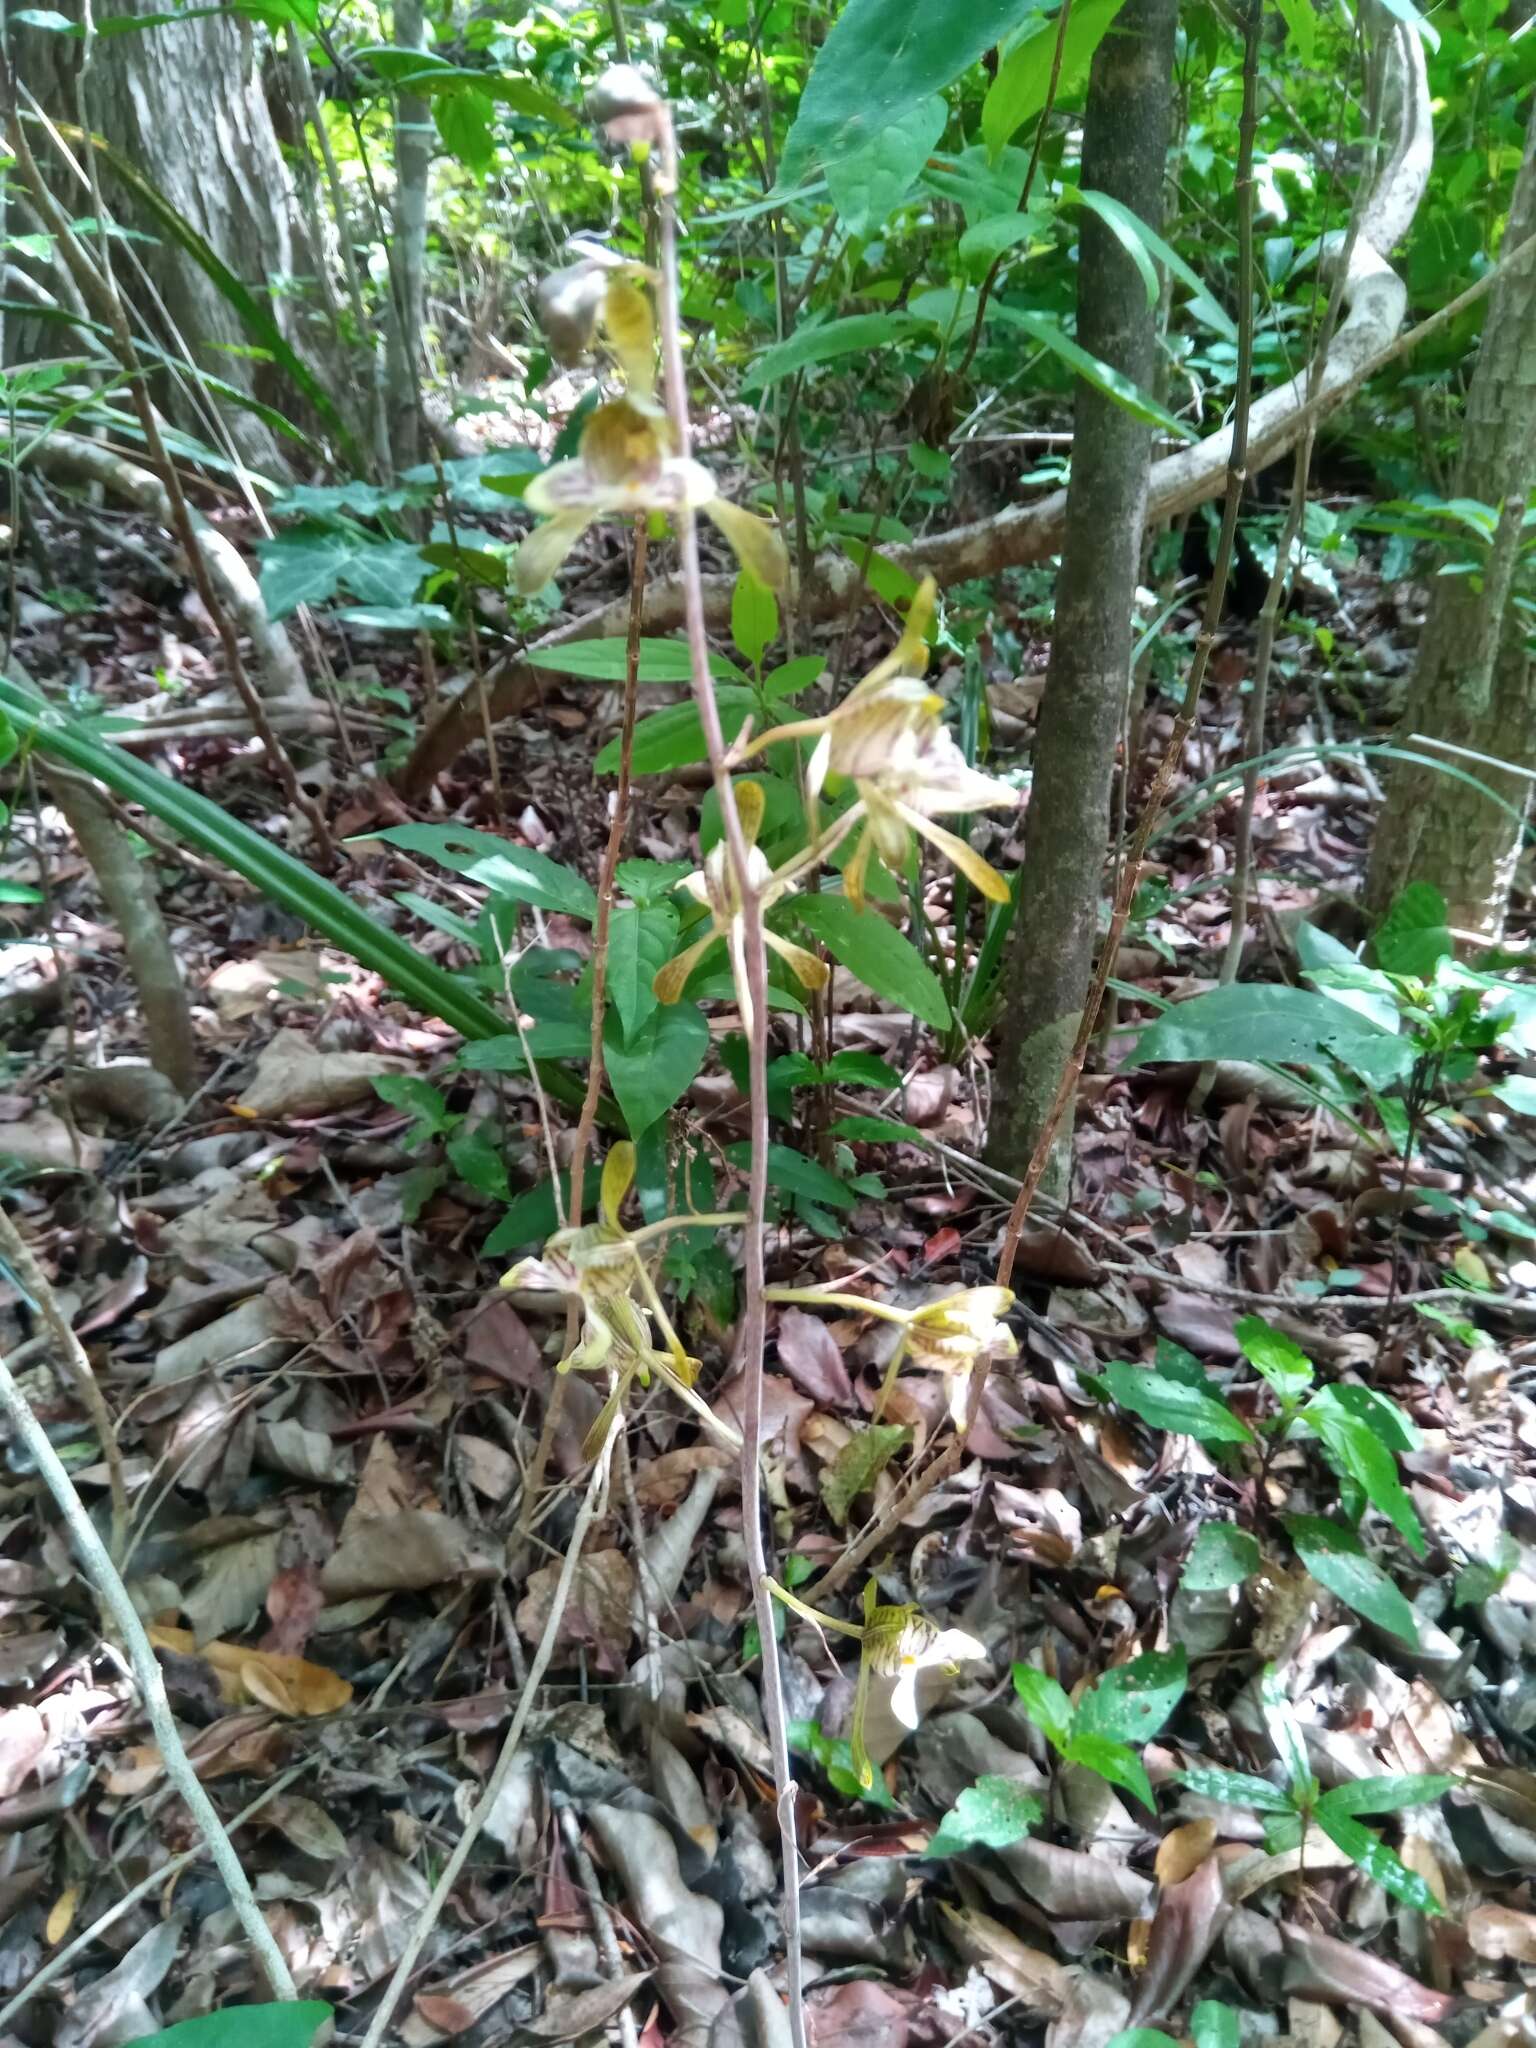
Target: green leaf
[1285,1733]
[652,1070]
[1045,1703]
[880,60]
[478,1160]
[650,881]
[881,957]
[1236,1788]
[463,121]
[1131,1702]
[1263,1021]
[858,1465]
[606,661]
[869,183]
[1337,1559]
[640,943]
[877,1130]
[517,873]
[981,245]
[1214,2025]
[674,737]
[282,879]
[1223,1555]
[245,2026]
[1104,378]
[1414,936]
[532,1216]
[1023,82]
[1283,1364]
[1300,18]
[1377,1860]
[834,1756]
[1141,243]
[994,1813]
[793,1174]
[1112,1760]
[855,334]
[1390,1794]
[414,1095]
[860,1070]
[309,564]
[1170,1404]
[1358,1453]
[754,617]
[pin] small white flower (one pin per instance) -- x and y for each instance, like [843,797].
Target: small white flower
[925,1648]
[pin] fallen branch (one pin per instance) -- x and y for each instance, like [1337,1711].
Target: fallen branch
[275,662]
[1366,338]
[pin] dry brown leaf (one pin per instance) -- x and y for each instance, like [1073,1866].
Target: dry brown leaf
[1037,1980]
[288,1685]
[1183,1850]
[1188,1920]
[1499,1934]
[454,2006]
[23,1743]
[809,1353]
[406,1553]
[598,1611]
[1318,1966]
[583,2012]
[294,1078]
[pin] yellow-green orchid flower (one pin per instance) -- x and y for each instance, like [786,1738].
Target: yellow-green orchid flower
[897,1642]
[627,460]
[714,885]
[889,739]
[599,1265]
[951,1335]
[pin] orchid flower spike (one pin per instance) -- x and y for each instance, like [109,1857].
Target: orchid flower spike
[889,739]
[627,460]
[894,1642]
[714,885]
[599,1265]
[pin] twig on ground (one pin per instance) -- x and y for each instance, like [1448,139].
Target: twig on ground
[485,1806]
[33,1281]
[115,1599]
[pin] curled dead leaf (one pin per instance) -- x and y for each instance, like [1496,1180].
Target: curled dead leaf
[288,1685]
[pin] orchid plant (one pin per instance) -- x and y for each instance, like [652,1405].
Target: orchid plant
[599,1266]
[896,1642]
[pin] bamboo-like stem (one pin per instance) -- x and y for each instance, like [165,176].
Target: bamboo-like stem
[750,960]
[485,1806]
[113,1595]
[1183,725]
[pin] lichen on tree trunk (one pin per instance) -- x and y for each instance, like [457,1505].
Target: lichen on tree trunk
[1473,683]
[1125,144]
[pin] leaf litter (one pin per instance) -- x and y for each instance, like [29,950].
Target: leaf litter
[328,1418]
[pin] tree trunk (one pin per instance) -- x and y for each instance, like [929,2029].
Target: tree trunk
[1125,145]
[183,103]
[408,253]
[1473,683]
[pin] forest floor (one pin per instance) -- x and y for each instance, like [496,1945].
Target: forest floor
[327,1410]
